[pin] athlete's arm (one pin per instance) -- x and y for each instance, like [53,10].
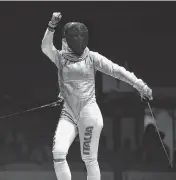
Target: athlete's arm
[47,42]
[106,66]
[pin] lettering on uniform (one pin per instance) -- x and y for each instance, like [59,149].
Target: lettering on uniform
[87,140]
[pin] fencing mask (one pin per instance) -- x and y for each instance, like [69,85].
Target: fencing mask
[76,35]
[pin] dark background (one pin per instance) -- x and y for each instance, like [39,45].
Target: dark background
[143,33]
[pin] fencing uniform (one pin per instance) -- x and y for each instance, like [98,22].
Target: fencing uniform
[80,114]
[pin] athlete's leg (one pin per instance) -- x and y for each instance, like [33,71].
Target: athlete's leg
[65,134]
[90,126]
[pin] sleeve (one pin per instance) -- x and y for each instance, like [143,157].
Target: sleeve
[47,46]
[106,66]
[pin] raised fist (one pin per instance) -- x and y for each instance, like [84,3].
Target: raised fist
[56,17]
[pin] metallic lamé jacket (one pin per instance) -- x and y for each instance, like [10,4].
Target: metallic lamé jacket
[77,78]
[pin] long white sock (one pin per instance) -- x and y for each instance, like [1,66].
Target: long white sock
[93,171]
[93,178]
[62,170]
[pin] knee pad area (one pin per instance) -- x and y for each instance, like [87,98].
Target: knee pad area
[59,157]
[58,160]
